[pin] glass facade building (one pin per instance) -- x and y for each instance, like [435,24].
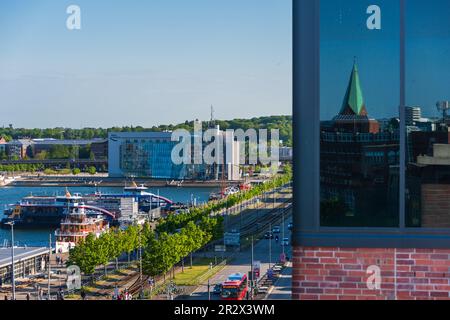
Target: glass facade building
[144,154]
[149,158]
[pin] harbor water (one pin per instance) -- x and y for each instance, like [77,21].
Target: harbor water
[34,237]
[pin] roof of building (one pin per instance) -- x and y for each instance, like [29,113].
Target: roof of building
[21,142]
[20,253]
[354,100]
[140,135]
[48,141]
[67,142]
[441,156]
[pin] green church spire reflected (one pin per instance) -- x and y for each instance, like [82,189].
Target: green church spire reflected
[354,100]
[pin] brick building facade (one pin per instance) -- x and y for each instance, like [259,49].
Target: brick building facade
[322,273]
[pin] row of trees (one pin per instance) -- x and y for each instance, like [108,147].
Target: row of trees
[175,222]
[169,249]
[21,167]
[282,123]
[175,238]
[41,168]
[75,171]
[161,250]
[93,252]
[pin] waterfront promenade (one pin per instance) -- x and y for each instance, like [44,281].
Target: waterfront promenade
[127,276]
[102,180]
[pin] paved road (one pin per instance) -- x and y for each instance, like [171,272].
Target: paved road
[282,289]
[242,263]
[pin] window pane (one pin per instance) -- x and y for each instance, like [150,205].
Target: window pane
[359,113]
[427,114]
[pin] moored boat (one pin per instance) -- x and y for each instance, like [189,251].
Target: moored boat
[76,226]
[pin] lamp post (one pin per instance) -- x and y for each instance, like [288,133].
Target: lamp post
[49,297]
[270,245]
[13,280]
[141,293]
[252,273]
[209,290]
[282,225]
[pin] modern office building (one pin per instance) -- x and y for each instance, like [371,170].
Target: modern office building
[412,115]
[22,148]
[149,155]
[40,145]
[143,154]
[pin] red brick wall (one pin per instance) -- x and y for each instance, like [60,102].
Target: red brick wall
[436,206]
[341,274]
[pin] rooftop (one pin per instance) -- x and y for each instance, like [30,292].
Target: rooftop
[140,135]
[48,141]
[20,253]
[67,142]
[441,156]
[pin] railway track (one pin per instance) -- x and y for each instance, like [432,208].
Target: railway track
[254,224]
[135,288]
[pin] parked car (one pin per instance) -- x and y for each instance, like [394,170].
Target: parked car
[268,235]
[276,229]
[217,289]
[285,242]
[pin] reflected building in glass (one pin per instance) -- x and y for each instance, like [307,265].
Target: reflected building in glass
[359,165]
[428,173]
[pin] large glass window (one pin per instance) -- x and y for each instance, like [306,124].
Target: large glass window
[427,113]
[359,113]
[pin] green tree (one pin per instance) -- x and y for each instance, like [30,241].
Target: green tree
[92,170]
[85,255]
[158,258]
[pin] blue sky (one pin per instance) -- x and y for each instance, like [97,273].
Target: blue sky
[344,35]
[139,62]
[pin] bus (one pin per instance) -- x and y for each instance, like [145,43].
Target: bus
[235,287]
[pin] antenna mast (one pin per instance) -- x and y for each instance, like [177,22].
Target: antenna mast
[444,107]
[212,121]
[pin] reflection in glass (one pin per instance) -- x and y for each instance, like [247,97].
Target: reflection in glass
[359,148]
[428,113]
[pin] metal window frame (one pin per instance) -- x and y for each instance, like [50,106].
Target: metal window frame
[306,134]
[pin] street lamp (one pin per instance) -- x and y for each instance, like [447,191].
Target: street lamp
[209,290]
[282,242]
[141,293]
[13,280]
[252,272]
[270,245]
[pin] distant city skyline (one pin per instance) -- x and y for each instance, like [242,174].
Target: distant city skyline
[143,63]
